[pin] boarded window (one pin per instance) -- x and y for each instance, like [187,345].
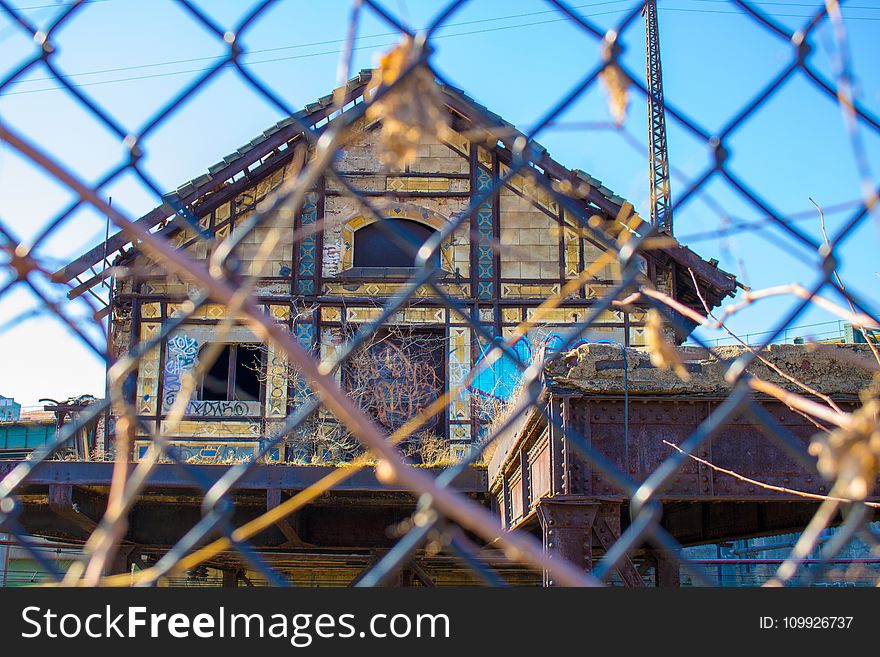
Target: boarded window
[234,375]
[373,247]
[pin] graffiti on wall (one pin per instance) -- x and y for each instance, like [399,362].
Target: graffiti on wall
[213,452]
[396,378]
[502,379]
[181,354]
[212,408]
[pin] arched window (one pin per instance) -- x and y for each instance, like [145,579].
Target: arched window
[373,247]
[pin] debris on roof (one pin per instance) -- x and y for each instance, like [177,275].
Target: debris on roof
[290,128]
[598,369]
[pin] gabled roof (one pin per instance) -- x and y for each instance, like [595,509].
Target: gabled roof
[236,171]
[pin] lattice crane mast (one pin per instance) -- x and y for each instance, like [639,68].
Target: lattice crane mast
[661,203]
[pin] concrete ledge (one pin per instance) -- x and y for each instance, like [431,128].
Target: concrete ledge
[599,368]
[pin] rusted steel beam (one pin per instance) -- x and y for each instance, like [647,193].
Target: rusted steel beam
[375,557]
[122,561]
[420,574]
[231,577]
[61,502]
[566,529]
[558,475]
[667,571]
[89,283]
[690,260]
[741,447]
[606,529]
[273,499]
[282,477]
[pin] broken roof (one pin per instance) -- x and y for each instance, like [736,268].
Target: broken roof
[247,161]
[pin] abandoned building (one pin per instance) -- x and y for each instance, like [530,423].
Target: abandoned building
[521,248]
[335,268]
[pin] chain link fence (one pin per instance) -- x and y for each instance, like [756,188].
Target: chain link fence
[408,97]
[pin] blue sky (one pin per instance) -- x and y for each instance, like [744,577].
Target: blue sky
[518,58]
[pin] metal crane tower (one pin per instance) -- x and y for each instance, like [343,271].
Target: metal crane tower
[661,203]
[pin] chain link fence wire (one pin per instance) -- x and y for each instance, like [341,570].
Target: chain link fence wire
[404,94]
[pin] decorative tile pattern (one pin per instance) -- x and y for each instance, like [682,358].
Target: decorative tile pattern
[276,383]
[406,316]
[200,429]
[426,184]
[281,313]
[519,291]
[459,290]
[485,235]
[305,334]
[513,315]
[558,315]
[308,246]
[222,213]
[148,374]
[572,252]
[347,237]
[459,368]
[151,310]
[331,314]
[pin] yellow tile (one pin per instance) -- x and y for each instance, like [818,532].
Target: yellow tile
[151,310]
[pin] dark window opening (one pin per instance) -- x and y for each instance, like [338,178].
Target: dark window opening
[373,247]
[234,375]
[247,373]
[215,384]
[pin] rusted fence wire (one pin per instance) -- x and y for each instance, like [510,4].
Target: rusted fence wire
[401,96]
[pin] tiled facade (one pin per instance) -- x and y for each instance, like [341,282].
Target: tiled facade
[522,249]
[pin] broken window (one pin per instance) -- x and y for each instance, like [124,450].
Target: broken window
[373,247]
[234,375]
[397,375]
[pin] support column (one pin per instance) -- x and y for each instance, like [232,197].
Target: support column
[230,578]
[607,530]
[123,560]
[570,524]
[667,570]
[567,528]
[402,579]
[273,499]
